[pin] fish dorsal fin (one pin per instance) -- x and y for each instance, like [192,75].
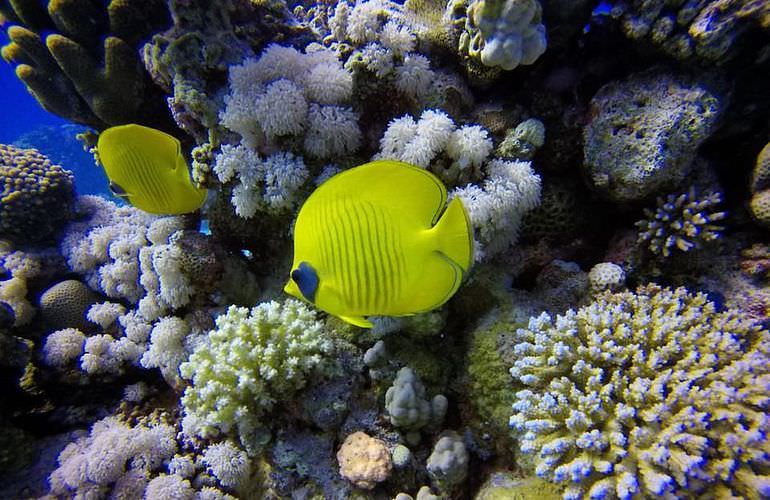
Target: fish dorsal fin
[391,183]
[158,147]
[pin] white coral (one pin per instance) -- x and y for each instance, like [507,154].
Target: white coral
[229,464]
[497,207]
[168,348]
[63,346]
[469,146]
[332,131]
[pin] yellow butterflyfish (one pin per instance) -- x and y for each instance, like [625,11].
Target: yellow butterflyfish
[146,168]
[380,240]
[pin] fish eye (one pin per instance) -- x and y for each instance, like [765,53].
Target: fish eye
[295,275]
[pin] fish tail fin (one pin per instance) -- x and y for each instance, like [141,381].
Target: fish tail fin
[455,235]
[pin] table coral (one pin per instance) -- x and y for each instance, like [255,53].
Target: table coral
[254,358]
[76,75]
[364,460]
[647,393]
[37,196]
[644,133]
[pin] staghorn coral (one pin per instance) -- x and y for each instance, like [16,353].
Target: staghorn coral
[364,460]
[72,74]
[707,31]
[682,222]
[252,360]
[644,133]
[645,394]
[37,197]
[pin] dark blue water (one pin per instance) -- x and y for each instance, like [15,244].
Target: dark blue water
[24,123]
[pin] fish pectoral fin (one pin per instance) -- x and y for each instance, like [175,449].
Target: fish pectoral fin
[358,321]
[118,191]
[440,279]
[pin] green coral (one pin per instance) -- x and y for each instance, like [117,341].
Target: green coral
[253,360]
[75,75]
[646,394]
[37,197]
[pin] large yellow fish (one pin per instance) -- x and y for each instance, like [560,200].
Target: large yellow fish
[375,240]
[146,168]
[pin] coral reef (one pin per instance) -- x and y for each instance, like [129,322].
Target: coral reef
[644,133]
[681,222]
[364,460]
[252,360]
[709,31]
[65,304]
[759,205]
[645,393]
[37,197]
[87,72]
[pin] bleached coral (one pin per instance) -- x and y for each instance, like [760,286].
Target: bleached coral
[169,347]
[652,393]
[469,146]
[63,346]
[170,486]
[271,184]
[332,131]
[229,464]
[105,314]
[253,359]
[447,464]
[279,94]
[113,450]
[497,207]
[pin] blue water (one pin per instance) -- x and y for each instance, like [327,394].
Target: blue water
[24,123]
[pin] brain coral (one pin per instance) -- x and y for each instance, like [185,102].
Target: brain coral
[65,304]
[37,197]
[645,394]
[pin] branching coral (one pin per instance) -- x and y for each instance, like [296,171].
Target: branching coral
[87,72]
[645,394]
[253,359]
[682,222]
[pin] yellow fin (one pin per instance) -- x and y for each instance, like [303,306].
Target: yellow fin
[357,321]
[419,191]
[454,234]
[441,277]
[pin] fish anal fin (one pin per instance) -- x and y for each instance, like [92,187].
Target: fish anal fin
[357,321]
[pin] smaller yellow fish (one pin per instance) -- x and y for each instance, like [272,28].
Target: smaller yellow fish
[380,240]
[146,168]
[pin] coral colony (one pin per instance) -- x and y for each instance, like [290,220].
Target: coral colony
[609,340]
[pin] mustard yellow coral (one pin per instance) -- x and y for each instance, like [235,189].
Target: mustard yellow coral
[36,196]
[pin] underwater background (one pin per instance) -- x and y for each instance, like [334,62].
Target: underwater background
[549,279]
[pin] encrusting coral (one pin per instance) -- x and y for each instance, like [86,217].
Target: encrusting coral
[644,133]
[648,393]
[37,197]
[72,74]
[364,460]
[709,31]
[759,205]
